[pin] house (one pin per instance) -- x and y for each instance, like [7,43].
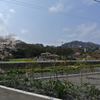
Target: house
[45,54]
[48,55]
[88,56]
[52,56]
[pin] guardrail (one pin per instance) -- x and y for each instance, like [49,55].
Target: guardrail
[50,61]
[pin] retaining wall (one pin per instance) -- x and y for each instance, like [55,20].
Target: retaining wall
[23,65]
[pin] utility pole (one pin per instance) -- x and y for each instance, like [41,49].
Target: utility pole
[62,47]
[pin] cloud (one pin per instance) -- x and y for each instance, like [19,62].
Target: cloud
[88,32]
[60,6]
[72,35]
[88,2]
[62,1]
[5,17]
[96,34]
[12,10]
[68,7]
[23,31]
[3,31]
[3,21]
[66,29]
[57,8]
[3,24]
[85,29]
[61,41]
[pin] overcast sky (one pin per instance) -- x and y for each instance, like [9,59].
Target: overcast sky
[51,22]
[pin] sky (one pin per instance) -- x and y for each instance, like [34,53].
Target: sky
[51,22]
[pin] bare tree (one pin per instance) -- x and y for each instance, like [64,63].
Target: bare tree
[7,43]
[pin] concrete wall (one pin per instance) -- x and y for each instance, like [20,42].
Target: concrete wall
[24,65]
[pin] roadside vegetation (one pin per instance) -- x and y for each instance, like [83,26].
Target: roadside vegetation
[24,79]
[51,68]
[54,88]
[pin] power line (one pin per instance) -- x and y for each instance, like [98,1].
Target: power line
[46,9]
[96,0]
[25,4]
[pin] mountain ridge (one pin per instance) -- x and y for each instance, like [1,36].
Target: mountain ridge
[72,44]
[80,44]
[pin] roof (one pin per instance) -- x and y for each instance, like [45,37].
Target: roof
[53,55]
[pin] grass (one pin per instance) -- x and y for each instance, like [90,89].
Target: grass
[81,58]
[48,69]
[44,69]
[24,59]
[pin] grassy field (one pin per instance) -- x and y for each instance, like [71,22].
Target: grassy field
[24,59]
[51,68]
[42,69]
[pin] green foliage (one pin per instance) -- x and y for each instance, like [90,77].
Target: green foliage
[30,50]
[56,88]
[21,59]
[1,77]
[96,54]
[26,79]
[31,68]
[37,83]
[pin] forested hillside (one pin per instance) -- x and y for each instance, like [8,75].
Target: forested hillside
[24,50]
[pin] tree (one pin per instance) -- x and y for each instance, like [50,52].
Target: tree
[7,44]
[96,54]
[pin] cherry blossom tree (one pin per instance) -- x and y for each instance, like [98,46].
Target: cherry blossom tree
[7,43]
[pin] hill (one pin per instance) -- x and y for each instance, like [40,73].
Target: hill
[22,44]
[80,44]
